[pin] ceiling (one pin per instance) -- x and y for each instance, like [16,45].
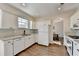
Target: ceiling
[44,9]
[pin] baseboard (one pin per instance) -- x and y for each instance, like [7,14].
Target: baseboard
[42,45]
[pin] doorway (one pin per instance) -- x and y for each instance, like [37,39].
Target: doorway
[58,32]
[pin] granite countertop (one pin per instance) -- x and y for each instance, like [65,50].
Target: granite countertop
[13,37]
[10,37]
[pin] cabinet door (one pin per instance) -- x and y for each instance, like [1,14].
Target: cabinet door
[26,42]
[75,49]
[18,45]
[32,40]
[8,48]
[29,41]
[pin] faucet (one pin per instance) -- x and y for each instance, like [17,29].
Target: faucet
[24,32]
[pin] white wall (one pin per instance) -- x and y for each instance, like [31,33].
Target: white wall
[14,11]
[66,20]
[9,15]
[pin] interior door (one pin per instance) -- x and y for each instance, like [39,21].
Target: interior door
[59,28]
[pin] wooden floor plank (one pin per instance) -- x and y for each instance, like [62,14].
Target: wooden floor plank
[39,50]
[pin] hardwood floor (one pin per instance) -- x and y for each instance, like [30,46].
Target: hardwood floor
[39,50]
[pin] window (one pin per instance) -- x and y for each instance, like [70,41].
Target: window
[30,24]
[22,23]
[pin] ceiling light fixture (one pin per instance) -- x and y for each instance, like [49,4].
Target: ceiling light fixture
[60,7]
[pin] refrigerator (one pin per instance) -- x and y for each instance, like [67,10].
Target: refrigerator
[43,34]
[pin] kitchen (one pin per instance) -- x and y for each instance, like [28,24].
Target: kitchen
[20,31]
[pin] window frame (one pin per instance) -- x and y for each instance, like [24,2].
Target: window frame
[30,24]
[20,21]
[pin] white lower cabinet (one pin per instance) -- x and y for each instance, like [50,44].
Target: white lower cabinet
[18,45]
[13,46]
[75,49]
[6,48]
[68,43]
[29,41]
[72,46]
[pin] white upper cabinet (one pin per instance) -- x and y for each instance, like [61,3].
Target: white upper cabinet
[7,20]
[74,21]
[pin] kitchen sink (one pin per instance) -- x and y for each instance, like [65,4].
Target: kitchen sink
[27,34]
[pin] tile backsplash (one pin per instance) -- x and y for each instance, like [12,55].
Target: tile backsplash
[14,32]
[10,32]
[6,32]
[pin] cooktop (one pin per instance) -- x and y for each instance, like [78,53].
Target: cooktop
[74,37]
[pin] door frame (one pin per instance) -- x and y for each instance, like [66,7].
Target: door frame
[56,21]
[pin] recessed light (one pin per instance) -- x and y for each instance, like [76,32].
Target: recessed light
[23,4]
[59,8]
